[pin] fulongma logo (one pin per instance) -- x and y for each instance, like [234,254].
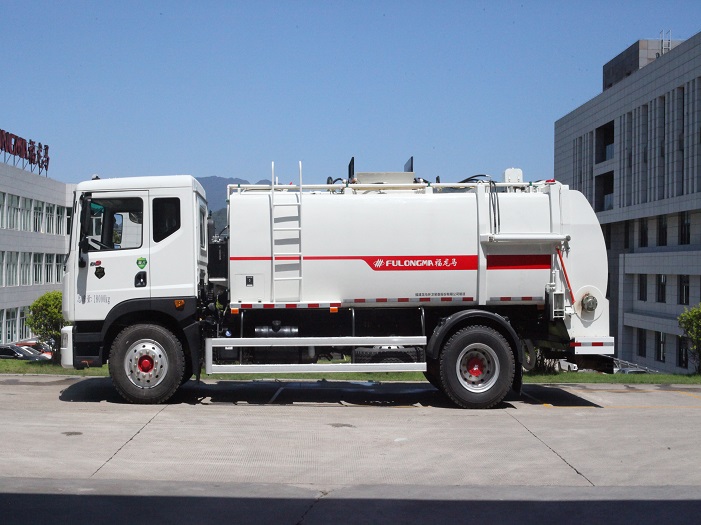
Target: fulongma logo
[402,263]
[444,262]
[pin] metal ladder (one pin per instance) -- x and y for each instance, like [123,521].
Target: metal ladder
[275,232]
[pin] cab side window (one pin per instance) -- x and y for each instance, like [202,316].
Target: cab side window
[166,217]
[115,224]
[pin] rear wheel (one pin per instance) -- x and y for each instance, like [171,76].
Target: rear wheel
[477,367]
[146,363]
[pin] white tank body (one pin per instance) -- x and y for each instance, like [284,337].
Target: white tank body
[394,248]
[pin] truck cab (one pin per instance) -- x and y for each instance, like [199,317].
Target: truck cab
[127,261]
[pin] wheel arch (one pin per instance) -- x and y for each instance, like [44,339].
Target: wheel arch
[459,320]
[182,322]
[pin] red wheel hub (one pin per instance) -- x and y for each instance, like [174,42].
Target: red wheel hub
[145,364]
[475,367]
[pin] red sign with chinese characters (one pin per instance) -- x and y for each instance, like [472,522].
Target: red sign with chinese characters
[34,153]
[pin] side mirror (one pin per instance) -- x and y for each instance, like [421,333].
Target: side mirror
[84,226]
[86,201]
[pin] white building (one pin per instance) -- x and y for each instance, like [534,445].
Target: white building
[635,152]
[34,217]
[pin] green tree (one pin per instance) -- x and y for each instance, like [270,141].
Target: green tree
[45,318]
[690,322]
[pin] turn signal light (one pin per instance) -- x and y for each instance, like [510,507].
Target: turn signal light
[179,304]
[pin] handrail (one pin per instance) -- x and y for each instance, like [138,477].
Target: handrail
[378,186]
[527,238]
[564,272]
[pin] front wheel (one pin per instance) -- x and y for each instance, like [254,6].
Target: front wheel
[146,363]
[477,367]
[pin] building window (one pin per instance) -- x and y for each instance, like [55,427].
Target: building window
[642,287]
[684,228]
[642,240]
[660,339]
[11,270]
[49,267]
[603,189]
[50,212]
[60,220]
[24,332]
[38,268]
[662,230]
[11,325]
[683,281]
[2,268]
[661,288]
[25,217]
[12,212]
[25,269]
[59,268]
[626,235]
[38,216]
[682,352]
[642,343]
[2,209]
[604,142]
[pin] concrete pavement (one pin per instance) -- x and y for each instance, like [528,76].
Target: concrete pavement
[314,452]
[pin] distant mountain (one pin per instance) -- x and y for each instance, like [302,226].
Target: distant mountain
[215,187]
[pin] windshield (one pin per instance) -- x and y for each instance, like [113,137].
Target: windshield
[24,351]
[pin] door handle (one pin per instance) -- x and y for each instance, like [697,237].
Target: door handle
[140,280]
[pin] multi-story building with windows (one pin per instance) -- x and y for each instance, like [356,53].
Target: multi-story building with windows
[635,152]
[34,221]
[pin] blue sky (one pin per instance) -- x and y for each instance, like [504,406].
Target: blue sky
[223,88]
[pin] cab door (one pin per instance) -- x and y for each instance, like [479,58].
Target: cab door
[112,263]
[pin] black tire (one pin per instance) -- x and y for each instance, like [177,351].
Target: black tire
[362,356]
[433,373]
[529,357]
[187,372]
[391,357]
[477,367]
[146,363]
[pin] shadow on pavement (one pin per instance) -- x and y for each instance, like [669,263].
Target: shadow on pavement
[322,392]
[554,396]
[106,509]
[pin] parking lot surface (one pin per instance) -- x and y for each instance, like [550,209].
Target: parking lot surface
[313,452]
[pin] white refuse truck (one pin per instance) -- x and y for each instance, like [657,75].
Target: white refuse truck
[374,272]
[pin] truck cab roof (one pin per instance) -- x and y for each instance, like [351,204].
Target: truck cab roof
[142,183]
